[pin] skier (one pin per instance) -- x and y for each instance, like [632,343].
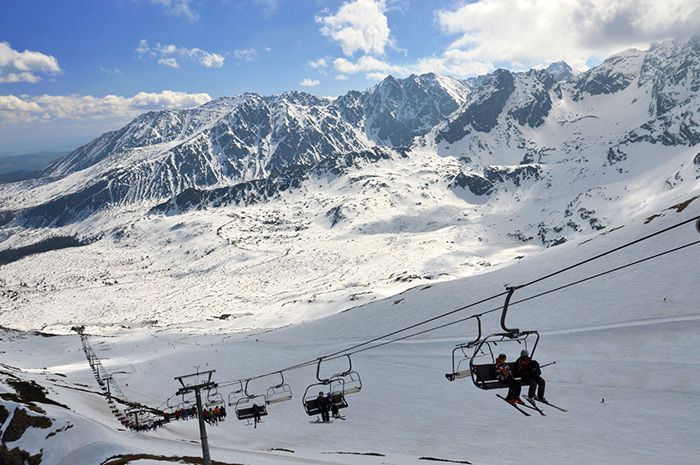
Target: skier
[504,374]
[529,370]
[324,404]
[256,414]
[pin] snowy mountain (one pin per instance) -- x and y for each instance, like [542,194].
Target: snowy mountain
[440,168]
[256,232]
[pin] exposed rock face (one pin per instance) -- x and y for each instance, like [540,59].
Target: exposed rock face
[483,108]
[505,128]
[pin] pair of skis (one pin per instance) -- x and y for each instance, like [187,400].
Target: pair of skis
[532,405]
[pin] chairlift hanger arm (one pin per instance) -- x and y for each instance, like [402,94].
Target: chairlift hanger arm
[514,331]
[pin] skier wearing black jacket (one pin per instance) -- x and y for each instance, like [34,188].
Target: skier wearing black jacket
[529,370]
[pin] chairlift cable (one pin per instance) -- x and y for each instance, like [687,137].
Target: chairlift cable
[352,350]
[573,283]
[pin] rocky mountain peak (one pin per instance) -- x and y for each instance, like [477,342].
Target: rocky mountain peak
[560,71]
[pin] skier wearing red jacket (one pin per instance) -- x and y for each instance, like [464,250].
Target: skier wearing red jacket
[505,375]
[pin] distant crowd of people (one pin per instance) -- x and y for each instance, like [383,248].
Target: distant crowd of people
[211,415]
[214,415]
[181,414]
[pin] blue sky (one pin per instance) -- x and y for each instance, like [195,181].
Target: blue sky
[70,70]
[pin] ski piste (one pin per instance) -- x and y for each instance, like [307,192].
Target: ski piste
[552,405]
[515,406]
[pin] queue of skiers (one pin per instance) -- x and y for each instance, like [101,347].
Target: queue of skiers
[526,369]
[181,414]
[214,415]
[211,415]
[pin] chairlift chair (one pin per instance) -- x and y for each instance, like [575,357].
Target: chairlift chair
[461,360]
[484,374]
[214,399]
[251,406]
[279,392]
[237,394]
[333,389]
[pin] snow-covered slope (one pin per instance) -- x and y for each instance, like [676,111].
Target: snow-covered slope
[623,345]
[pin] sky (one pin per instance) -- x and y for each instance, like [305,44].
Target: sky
[73,69]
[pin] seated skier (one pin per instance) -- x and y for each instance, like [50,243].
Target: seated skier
[529,370]
[504,374]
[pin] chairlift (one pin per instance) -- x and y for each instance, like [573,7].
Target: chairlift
[251,406]
[352,382]
[214,399]
[331,391]
[484,374]
[237,394]
[462,356]
[279,392]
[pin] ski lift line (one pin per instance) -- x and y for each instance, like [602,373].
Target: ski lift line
[353,349]
[445,325]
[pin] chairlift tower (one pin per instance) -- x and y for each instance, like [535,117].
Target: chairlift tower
[107,379]
[195,382]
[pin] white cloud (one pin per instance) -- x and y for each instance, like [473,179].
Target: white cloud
[525,33]
[23,66]
[169,62]
[245,54]
[306,82]
[358,25]
[453,62]
[211,60]
[25,109]
[318,64]
[180,8]
[110,70]
[166,55]
[377,76]
[341,77]
[368,64]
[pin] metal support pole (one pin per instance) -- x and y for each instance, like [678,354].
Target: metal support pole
[196,387]
[202,429]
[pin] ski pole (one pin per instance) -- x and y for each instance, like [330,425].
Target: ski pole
[547,364]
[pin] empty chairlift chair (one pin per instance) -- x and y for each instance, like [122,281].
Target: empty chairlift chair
[279,392]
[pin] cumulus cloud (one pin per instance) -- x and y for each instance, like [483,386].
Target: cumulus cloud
[306,82]
[167,55]
[169,62]
[526,33]
[24,66]
[358,25]
[25,109]
[245,54]
[368,64]
[181,8]
[318,64]
[341,77]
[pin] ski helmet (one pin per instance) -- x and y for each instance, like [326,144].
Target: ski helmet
[524,353]
[502,356]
